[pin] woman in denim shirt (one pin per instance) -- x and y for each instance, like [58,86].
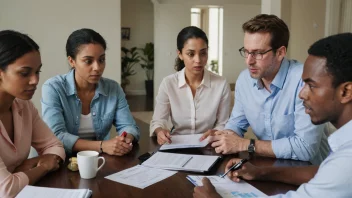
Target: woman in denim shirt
[81,106]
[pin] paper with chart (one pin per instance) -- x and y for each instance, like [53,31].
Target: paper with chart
[43,192]
[140,176]
[227,188]
[173,161]
[185,141]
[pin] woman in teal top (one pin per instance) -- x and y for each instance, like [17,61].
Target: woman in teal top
[81,106]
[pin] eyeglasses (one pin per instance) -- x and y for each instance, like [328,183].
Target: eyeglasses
[255,55]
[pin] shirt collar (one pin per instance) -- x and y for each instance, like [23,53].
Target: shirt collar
[182,78]
[341,136]
[71,85]
[279,79]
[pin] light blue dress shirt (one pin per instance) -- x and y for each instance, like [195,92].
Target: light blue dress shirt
[61,109]
[279,116]
[333,178]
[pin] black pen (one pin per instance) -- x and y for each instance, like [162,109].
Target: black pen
[235,167]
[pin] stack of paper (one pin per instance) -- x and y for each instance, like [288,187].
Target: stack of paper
[173,161]
[43,192]
[185,141]
[140,176]
[227,188]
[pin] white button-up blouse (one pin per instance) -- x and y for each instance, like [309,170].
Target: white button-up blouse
[209,109]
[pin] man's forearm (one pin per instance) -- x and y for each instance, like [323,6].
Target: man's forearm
[264,148]
[290,175]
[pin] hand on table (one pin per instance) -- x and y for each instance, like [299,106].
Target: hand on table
[50,162]
[119,145]
[210,132]
[227,142]
[163,136]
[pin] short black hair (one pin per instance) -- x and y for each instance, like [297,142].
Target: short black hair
[82,37]
[14,45]
[337,50]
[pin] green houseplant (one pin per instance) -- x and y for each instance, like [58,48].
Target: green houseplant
[147,64]
[129,58]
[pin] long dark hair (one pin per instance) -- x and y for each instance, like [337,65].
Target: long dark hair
[14,45]
[82,37]
[185,34]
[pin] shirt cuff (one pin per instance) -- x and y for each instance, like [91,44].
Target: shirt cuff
[131,130]
[59,151]
[23,178]
[282,148]
[68,141]
[236,129]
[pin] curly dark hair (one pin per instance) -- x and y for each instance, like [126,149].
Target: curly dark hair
[337,50]
[280,35]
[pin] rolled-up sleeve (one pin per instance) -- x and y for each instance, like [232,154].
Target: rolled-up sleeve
[238,121]
[305,142]
[11,184]
[52,113]
[43,140]
[123,119]
[331,180]
[161,110]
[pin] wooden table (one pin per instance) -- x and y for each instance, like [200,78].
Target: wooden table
[174,186]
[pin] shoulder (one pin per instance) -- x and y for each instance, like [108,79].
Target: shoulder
[295,69]
[26,106]
[58,81]
[172,78]
[217,80]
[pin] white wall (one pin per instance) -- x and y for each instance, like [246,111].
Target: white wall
[170,16]
[49,23]
[234,16]
[142,31]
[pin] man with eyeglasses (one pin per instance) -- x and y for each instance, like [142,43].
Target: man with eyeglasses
[266,99]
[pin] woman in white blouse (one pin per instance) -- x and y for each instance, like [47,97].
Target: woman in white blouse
[196,99]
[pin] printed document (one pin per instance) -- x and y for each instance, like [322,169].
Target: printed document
[44,192]
[173,161]
[140,176]
[227,188]
[185,141]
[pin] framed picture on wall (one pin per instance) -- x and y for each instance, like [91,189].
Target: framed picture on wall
[125,33]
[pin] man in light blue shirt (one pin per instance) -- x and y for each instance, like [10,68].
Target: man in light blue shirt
[327,96]
[266,98]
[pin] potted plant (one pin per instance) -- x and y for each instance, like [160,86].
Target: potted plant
[214,66]
[129,58]
[147,64]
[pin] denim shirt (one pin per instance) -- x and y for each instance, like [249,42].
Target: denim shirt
[61,109]
[279,116]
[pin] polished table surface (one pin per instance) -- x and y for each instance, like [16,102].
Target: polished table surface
[174,186]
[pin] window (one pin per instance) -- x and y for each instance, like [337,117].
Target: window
[210,20]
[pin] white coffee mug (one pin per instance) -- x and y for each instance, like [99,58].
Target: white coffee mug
[88,163]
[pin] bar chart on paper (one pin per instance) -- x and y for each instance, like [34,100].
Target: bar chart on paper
[227,188]
[228,191]
[237,194]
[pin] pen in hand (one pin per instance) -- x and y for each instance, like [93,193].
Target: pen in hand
[235,167]
[124,134]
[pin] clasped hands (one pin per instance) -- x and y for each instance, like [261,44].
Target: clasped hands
[50,162]
[226,141]
[119,145]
